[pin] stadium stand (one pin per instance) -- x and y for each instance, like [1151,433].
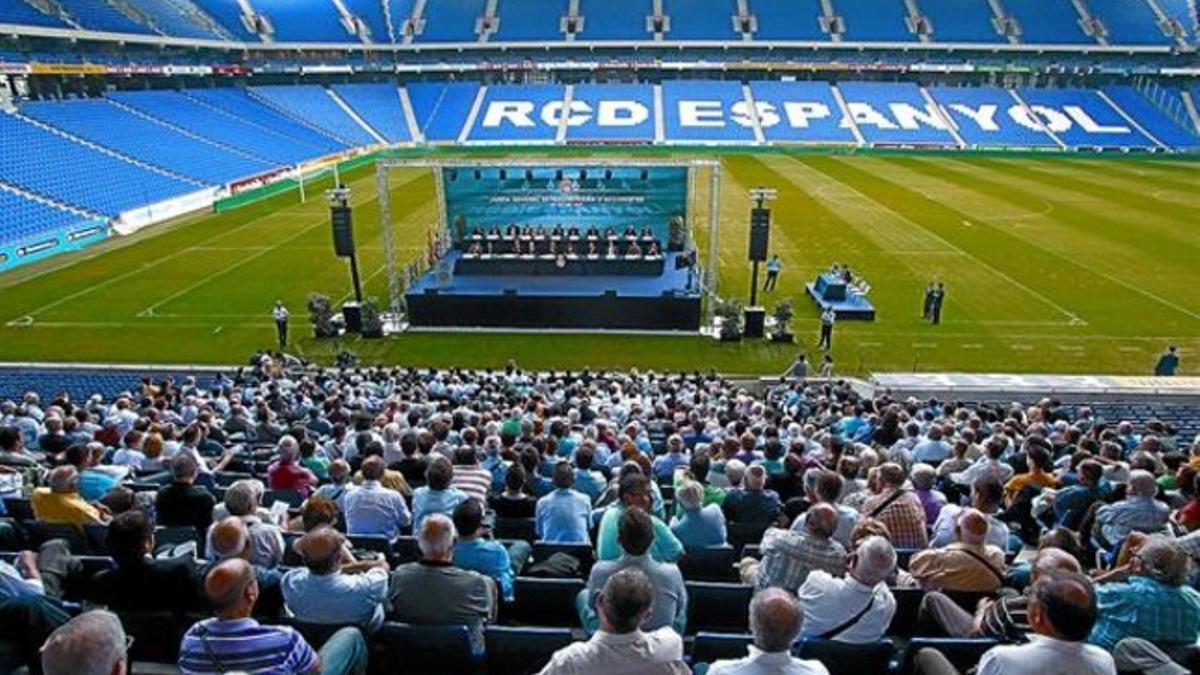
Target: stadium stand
[303,21]
[371,15]
[1047,22]
[987,117]
[22,218]
[702,19]
[636,119]
[1152,119]
[312,105]
[441,109]
[807,112]
[519,114]
[874,20]
[177,19]
[894,113]
[706,112]
[379,106]
[107,124]
[239,104]
[959,21]
[615,20]
[788,20]
[451,21]
[530,20]
[229,15]
[18,12]
[63,170]
[1128,23]
[101,16]
[1183,14]
[1082,119]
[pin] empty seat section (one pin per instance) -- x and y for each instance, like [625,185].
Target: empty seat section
[530,20]
[702,19]
[182,111]
[614,113]
[1184,13]
[1153,119]
[961,20]
[1129,22]
[313,104]
[379,106]
[99,15]
[788,20]
[238,103]
[65,171]
[22,218]
[873,20]
[111,126]
[1081,119]
[370,12]
[451,20]
[170,17]
[400,11]
[894,113]
[705,111]
[229,15]
[800,112]
[441,109]
[308,21]
[18,12]
[1048,22]
[991,117]
[615,19]
[516,113]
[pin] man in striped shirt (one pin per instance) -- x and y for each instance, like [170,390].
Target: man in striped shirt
[469,476]
[232,641]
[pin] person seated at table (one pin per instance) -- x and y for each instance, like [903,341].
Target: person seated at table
[557,232]
[612,248]
[570,249]
[490,248]
[476,232]
[634,251]
[610,233]
[513,247]
[511,231]
[475,249]
[526,232]
[532,248]
[573,232]
[552,247]
[630,233]
[495,231]
[592,250]
[653,252]
[593,233]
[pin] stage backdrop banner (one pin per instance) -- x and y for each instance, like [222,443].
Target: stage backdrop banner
[580,196]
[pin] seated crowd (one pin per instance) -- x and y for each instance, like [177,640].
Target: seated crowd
[356,500]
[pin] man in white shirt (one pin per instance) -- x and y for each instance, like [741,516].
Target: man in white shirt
[620,647]
[1062,611]
[987,496]
[775,621]
[857,608]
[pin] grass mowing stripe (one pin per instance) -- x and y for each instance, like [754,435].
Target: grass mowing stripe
[1166,179]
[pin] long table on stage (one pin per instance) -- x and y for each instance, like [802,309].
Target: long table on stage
[511,265]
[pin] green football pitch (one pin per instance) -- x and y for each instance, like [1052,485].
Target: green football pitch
[1053,264]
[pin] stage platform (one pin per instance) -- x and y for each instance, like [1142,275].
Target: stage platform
[608,302]
[847,304]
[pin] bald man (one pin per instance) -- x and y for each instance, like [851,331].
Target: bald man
[228,539]
[789,556]
[970,564]
[1006,618]
[775,618]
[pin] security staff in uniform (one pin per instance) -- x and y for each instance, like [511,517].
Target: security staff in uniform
[281,315]
[828,317]
[773,268]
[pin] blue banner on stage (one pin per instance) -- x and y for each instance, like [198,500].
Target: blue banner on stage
[579,196]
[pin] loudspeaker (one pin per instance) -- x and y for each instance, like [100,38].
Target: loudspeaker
[453,175]
[583,174]
[608,174]
[755,321]
[510,291]
[529,175]
[558,175]
[760,233]
[503,174]
[352,313]
[609,293]
[645,175]
[343,231]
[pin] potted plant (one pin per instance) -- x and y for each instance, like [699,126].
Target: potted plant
[676,234]
[729,313]
[783,314]
[320,315]
[372,320]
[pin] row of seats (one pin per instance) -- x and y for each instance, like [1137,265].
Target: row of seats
[22,218]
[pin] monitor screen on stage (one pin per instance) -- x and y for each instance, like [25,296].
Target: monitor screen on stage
[578,196]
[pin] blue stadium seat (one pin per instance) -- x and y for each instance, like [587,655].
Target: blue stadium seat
[788,20]
[399,12]
[961,21]
[441,109]
[370,12]
[313,105]
[20,13]
[71,173]
[717,607]
[513,112]
[522,651]
[22,219]
[631,121]
[1082,119]
[228,14]
[171,18]
[845,658]
[702,19]
[706,111]
[710,647]
[615,19]
[546,602]
[107,124]
[1048,22]
[310,21]
[874,20]
[422,650]
[530,20]
[379,106]
[451,21]
[1184,14]
[1129,22]
[990,117]
[1153,119]
[101,16]
[890,113]
[806,112]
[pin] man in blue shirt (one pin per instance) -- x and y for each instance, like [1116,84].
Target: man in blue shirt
[486,556]
[700,526]
[773,269]
[564,514]
[372,508]
[932,450]
[436,496]
[589,482]
[93,484]
[331,590]
[1154,604]
[676,456]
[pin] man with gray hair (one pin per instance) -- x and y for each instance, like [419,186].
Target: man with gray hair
[1153,604]
[92,643]
[775,622]
[1139,511]
[856,608]
[700,525]
[286,473]
[60,501]
[788,557]
[266,539]
[825,487]
[183,503]
[434,591]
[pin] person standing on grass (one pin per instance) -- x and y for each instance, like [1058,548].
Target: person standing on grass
[773,269]
[828,318]
[927,306]
[281,315]
[935,307]
[1167,364]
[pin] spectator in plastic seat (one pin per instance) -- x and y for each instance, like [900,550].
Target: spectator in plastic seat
[372,508]
[1062,611]
[233,637]
[434,591]
[564,515]
[242,501]
[933,449]
[54,441]
[139,582]
[1139,511]
[858,607]
[438,495]
[1187,515]
[392,479]
[923,477]
[636,534]
[12,449]
[987,496]
[634,491]
[753,505]
[338,486]
[700,526]
[1146,598]
[513,501]
[825,487]
[93,483]
[229,539]
[969,564]
[775,617]
[314,461]
[988,466]
[469,477]
[675,457]
[60,501]
[1070,504]
[93,643]
[788,556]
[286,473]
[1005,618]
[587,480]
[130,453]
[620,645]
[473,551]
[182,503]
[897,508]
[330,589]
